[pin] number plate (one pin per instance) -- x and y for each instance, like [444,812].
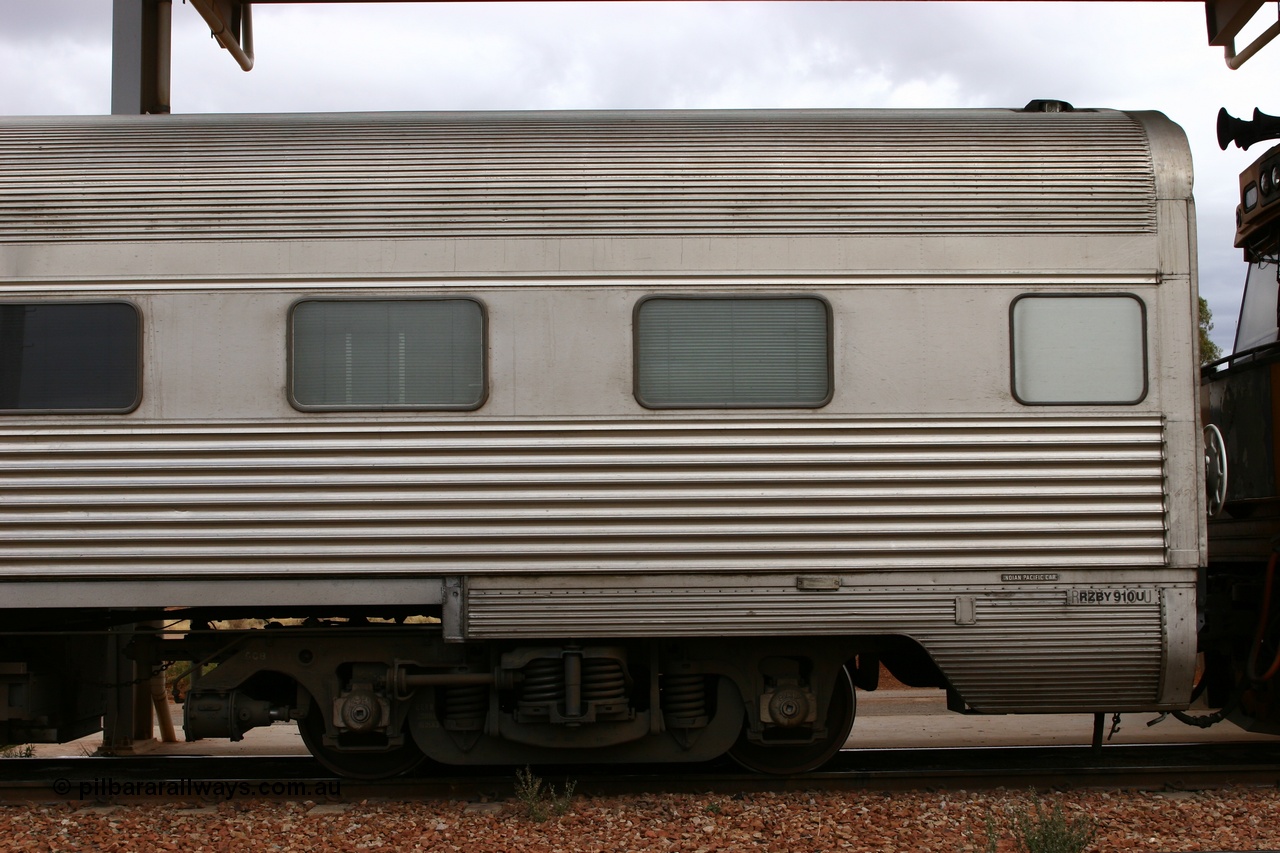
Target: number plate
[1111,597]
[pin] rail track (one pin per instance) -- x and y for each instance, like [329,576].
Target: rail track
[91,779]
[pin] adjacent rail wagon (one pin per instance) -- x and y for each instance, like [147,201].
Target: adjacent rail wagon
[1241,402]
[591,437]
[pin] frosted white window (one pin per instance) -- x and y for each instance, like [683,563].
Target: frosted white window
[733,352]
[387,354]
[1079,349]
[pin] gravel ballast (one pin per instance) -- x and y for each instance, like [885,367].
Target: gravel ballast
[1222,819]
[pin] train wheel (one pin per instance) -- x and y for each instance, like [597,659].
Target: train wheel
[354,764]
[784,760]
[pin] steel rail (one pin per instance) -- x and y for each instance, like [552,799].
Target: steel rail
[150,778]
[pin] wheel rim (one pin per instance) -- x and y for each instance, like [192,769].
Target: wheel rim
[357,764]
[783,760]
[1215,469]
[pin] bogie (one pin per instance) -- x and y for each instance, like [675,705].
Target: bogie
[379,700]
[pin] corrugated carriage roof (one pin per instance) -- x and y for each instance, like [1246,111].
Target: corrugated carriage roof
[423,175]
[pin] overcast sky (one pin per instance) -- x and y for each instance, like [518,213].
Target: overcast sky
[55,58]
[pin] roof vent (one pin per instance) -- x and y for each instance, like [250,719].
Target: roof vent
[1047,106]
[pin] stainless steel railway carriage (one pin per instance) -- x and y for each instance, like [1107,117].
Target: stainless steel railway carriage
[669,427]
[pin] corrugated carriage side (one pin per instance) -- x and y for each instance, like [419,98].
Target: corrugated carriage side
[596,436]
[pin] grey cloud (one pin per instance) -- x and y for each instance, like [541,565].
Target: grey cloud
[46,21]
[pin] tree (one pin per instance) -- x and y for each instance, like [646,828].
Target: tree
[1209,351]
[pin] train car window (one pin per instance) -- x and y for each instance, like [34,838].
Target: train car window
[733,352]
[69,357]
[1260,308]
[387,354]
[1071,349]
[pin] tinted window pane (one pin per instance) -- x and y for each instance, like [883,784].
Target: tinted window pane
[389,354]
[68,357]
[1260,310]
[736,352]
[1079,349]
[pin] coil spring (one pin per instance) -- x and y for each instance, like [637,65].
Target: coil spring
[684,695]
[603,680]
[465,704]
[543,681]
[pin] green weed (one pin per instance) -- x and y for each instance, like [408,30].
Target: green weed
[540,799]
[1041,828]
